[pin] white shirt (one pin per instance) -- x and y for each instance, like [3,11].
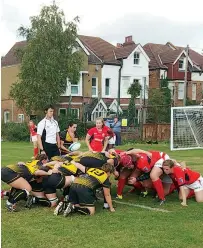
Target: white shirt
[51,127]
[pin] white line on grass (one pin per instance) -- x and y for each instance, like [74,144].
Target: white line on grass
[142,206]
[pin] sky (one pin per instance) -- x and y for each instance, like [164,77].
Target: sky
[155,21]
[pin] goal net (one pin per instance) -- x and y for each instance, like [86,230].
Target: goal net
[187,128]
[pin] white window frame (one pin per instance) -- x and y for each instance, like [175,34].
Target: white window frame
[183,67]
[194,92]
[75,85]
[21,118]
[5,116]
[78,111]
[108,86]
[180,91]
[171,87]
[96,95]
[100,110]
[60,109]
[136,57]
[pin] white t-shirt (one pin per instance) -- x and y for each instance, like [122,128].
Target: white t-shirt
[51,127]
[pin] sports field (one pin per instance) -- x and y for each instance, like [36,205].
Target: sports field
[132,225]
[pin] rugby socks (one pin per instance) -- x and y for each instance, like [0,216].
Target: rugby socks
[191,194]
[121,185]
[42,201]
[20,194]
[159,189]
[83,211]
[35,152]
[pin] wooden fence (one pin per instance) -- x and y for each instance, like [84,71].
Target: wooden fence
[156,132]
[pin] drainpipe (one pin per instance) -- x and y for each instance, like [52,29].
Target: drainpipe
[119,86]
[12,111]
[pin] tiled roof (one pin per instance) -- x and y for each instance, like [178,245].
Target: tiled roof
[125,51]
[10,58]
[101,48]
[160,55]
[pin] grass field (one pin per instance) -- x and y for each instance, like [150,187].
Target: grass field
[128,227]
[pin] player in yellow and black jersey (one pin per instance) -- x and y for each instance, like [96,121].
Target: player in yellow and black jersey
[82,190]
[61,180]
[19,176]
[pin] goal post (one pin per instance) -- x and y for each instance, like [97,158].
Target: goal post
[186,128]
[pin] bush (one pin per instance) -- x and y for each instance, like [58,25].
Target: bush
[15,131]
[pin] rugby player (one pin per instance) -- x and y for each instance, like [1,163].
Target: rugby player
[82,191]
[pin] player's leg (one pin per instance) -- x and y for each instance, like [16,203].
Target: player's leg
[124,174]
[38,196]
[21,186]
[157,183]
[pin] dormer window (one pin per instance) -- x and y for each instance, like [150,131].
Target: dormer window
[136,58]
[181,64]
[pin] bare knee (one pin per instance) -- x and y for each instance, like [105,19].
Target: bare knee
[92,210]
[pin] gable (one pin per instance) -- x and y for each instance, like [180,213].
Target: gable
[140,50]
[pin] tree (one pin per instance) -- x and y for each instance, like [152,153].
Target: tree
[134,90]
[47,60]
[159,103]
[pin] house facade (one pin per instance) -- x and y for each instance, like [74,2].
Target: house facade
[169,61]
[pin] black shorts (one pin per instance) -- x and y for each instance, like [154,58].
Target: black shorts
[8,175]
[51,150]
[53,182]
[36,187]
[81,195]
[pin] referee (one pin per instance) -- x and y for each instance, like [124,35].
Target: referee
[48,134]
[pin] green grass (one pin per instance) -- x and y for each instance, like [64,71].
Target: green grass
[127,227]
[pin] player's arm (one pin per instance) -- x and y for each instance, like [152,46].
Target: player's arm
[63,147]
[58,140]
[107,196]
[87,140]
[79,166]
[42,173]
[40,129]
[184,198]
[136,151]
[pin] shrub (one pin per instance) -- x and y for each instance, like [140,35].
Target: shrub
[15,131]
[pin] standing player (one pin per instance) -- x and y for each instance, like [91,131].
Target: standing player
[48,134]
[97,137]
[33,136]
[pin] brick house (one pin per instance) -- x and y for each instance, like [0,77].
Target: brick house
[169,61]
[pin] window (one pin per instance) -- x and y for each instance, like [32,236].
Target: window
[181,64]
[194,91]
[75,112]
[136,58]
[62,111]
[180,91]
[171,87]
[6,116]
[125,84]
[94,87]
[107,86]
[21,118]
[74,89]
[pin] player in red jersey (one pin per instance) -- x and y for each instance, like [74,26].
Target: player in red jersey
[187,180]
[33,136]
[157,159]
[97,137]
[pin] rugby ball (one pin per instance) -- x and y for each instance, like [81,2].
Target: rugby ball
[74,147]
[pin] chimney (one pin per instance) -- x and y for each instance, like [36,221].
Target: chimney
[128,39]
[119,45]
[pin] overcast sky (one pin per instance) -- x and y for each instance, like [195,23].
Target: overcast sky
[156,21]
